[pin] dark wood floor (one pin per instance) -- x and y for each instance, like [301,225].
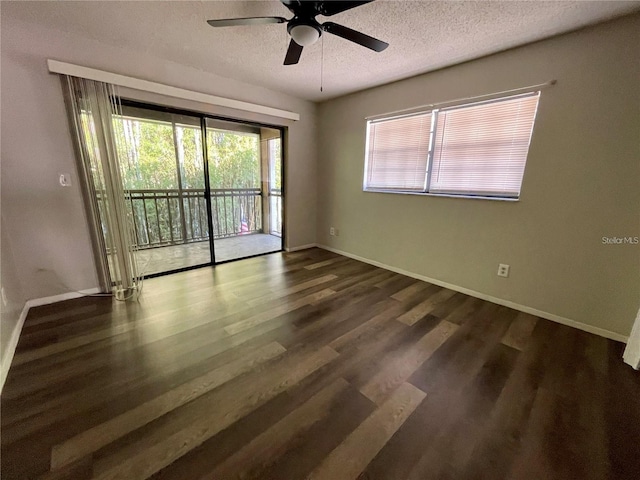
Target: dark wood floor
[312,365]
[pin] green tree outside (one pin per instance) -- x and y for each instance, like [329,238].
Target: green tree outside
[152,153]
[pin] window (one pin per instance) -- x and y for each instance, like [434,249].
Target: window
[477,149]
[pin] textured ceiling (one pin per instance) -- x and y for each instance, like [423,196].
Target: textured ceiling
[423,36]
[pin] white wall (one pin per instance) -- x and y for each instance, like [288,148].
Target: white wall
[582,182]
[51,246]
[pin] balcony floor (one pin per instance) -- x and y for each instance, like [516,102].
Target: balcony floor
[163,259]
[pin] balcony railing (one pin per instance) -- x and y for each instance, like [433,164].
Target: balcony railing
[173,216]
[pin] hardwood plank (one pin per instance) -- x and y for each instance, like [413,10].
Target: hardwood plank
[449,306]
[520,331]
[105,433]
[534,462]
[271,314]
[79,470]
[309,448]
[501,440]
[380,276]
[357,450]
[324,263]
[389,280]
[411,290]
[564,433]
[198,334]
[444,376]
[391,310]
[622,416]
[65,316]
[465,311]
[141,459]
[255,370]
[283,292]
[332,317]
[273,442]
[397,372]
[455,442]
[75,342]
[464,353]
[425,307]
[303,452]
[174,364]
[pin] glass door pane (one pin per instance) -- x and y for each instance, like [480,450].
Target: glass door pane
[274,156]
[163,176]
[239,177]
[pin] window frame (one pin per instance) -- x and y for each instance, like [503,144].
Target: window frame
[437,108]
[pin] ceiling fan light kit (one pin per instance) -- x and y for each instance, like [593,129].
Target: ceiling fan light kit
[305,30]
[304,35]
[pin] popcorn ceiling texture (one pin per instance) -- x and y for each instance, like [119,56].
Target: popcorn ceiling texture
[423,36]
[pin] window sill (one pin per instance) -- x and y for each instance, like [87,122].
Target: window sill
[446,195]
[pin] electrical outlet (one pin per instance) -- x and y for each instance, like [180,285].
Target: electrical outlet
[503,270]
[332,231]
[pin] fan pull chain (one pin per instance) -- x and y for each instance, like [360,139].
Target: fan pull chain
[321,62]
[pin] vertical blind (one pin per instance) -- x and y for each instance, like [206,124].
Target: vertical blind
[473,149]
[398,151]
[92,108]
[482,149]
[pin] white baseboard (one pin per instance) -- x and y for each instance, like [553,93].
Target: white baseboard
[37,302]
[301,247]
[15,335]
[507,303]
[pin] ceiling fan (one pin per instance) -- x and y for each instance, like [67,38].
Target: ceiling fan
[305,30]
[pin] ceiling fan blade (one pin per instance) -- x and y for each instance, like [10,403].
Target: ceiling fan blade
[331,8]
[293,53]
[354,36]
[233,22]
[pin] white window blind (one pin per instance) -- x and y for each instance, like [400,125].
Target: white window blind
[477,149]
[482,149]
[398,152]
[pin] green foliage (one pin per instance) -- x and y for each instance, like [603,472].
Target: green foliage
[147,154]
[275,153]
[156,155]
[234,160]
[189,140]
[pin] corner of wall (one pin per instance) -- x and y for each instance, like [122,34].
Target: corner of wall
[9,347]
[14,311]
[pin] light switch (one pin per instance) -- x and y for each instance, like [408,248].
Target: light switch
[65,179]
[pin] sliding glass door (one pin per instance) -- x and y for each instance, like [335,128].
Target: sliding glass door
[199,190]
[272,162]
[240,186]
[163,175]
